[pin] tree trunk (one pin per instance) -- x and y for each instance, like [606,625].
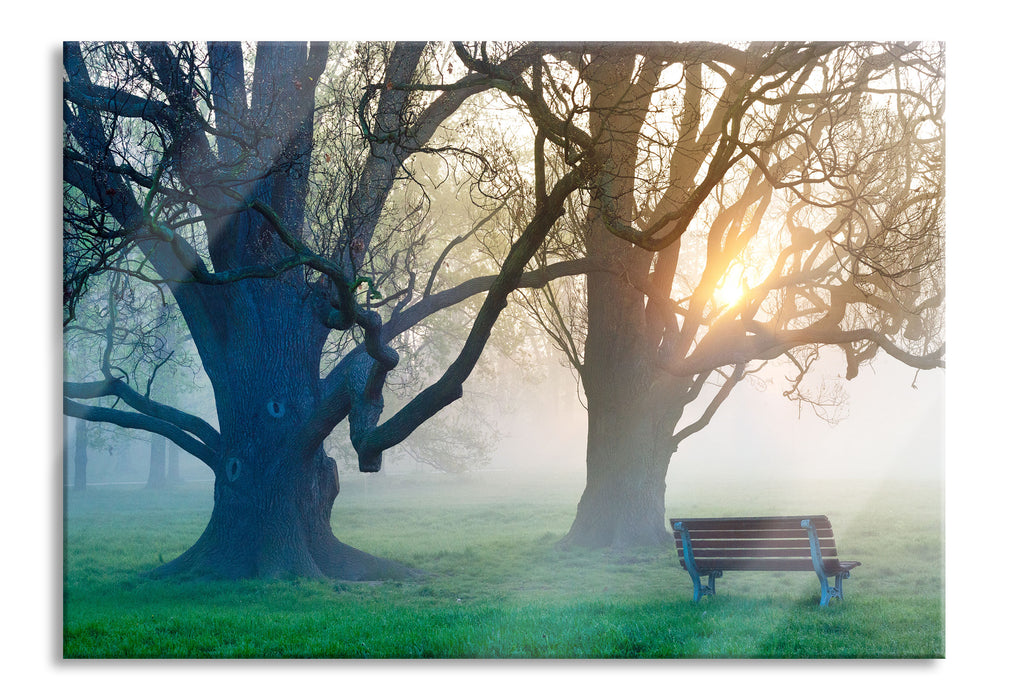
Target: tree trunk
[627,455]
[260,339]
[623,504]
[273,491]
[628,403]
[66,453]
[81,456]
[174,477]
[156,478]
[271,519]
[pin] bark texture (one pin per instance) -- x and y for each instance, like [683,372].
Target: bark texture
[630,404]
[274,485]
[271,519]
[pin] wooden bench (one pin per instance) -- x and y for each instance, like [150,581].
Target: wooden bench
[709,546]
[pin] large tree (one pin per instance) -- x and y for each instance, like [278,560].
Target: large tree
[198,169]
[751,203]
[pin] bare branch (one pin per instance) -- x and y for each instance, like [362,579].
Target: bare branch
[139,421]
[143,404]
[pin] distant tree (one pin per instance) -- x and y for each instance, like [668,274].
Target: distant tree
[752,203]
[132,332]
[197,169]
[81,456]
[157,475]
[174,476]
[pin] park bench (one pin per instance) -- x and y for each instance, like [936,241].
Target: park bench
[709,546]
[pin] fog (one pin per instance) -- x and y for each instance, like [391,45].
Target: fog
[893,428]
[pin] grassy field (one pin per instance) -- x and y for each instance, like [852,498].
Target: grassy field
[496,585]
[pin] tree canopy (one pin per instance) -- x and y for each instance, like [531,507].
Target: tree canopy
[747,204]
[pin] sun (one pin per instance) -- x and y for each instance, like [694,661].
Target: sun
[731,290]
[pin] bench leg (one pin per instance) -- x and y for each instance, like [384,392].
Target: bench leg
[828,592]
[701,590]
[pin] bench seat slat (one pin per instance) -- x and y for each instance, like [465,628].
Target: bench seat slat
[736,552]
[761,523]
[703,543]
[832,567]
[756,533]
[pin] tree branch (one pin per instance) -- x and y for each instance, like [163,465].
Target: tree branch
[139,421]
[709,412]
[167,414]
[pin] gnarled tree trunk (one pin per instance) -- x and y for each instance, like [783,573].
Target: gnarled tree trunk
[271,519]
[274,489]
[257,297]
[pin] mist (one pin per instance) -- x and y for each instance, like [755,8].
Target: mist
[891,426]
[894,429]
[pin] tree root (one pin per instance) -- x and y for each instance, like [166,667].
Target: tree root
[325,558]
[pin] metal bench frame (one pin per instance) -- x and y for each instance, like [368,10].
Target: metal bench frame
[827,592]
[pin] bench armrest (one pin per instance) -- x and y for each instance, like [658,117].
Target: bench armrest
[690,565]
[814,549]
[688,550]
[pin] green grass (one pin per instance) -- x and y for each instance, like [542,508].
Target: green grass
[496,585]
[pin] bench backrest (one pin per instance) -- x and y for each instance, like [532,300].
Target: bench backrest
[754,544]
